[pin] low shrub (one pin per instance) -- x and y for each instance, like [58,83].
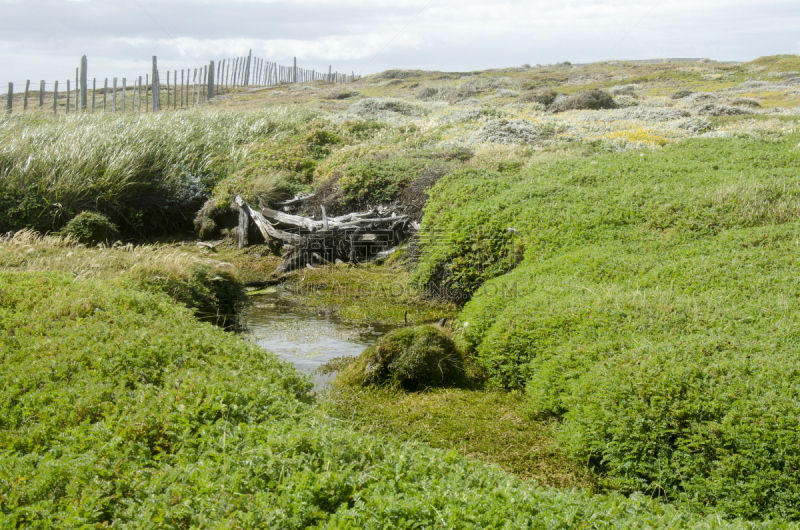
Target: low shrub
[456,92]
[412,358]
[90,227]
[545,97]
[342,95]
[362,129]
[716,427]
[715,109]
[376,108]
[506,131]
[680,94]
[589,100]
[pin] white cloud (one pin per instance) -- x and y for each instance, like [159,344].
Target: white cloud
[446,34]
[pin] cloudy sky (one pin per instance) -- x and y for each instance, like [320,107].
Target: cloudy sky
[44,39]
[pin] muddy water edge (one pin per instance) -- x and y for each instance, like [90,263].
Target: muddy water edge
[327,314]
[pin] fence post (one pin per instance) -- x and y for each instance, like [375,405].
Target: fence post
[77,89]
[25,100]
[156,86]
[211,85]
[139,97]
[55,99]
[167,89]
[84,83]
[330,69]
[294,72]
[105,94]
[175,95]
[10,98]
[124,92]
[41,94]
[147,92]
[182,83]
[68,98]
[205,84]
[114,97]
[247,71]
[94,92]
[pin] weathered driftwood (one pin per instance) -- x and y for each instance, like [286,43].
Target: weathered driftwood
[355,237]
[298,199]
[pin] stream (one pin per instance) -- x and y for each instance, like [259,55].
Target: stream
[305,337]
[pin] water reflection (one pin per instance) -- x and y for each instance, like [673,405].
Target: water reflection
[306,338]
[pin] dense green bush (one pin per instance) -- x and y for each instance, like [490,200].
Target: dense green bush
[28,208]
[412,358]
[465,235]
[90,227]
[117,409]
[712,428]
[652,284]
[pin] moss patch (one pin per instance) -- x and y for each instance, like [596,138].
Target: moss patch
[412,358]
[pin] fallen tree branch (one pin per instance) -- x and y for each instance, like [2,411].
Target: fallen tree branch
[297,199]
[355,237]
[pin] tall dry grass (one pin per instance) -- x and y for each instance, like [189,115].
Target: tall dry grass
[148,166]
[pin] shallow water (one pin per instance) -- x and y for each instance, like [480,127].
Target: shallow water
[306,338]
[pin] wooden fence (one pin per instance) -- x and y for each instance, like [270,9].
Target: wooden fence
[196,86]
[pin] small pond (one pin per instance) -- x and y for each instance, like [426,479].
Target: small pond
[306,338]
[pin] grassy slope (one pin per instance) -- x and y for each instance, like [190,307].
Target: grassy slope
[119,408]
[653,307]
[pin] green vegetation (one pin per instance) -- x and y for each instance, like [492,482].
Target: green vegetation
[367,294]
[149,174]
[368,176]
[208,287]
[411,358]
[119,409]
[90,227]
[477,424]
[619,286]
[652,310]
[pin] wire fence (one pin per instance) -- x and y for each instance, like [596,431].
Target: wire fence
[152,92]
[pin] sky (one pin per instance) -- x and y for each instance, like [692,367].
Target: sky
[45,39]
